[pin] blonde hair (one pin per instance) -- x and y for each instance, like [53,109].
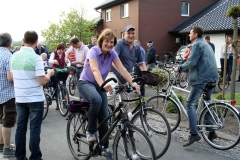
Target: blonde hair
[44,56]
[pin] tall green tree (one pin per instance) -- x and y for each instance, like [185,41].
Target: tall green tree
[234,12]
[70,24]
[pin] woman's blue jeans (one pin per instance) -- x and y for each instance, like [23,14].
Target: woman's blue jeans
[98,110]
[34,112]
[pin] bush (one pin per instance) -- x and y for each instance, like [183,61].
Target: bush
[219,96]
[163,76]
[170,108]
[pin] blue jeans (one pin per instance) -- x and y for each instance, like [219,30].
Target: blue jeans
[33,111]
[98,110]
[194,95]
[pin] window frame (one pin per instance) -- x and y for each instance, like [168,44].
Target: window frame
[125,12]
[185,15]
[108,15]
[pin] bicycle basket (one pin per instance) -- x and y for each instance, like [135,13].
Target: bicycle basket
[61,73]
[150,78]
[78,106]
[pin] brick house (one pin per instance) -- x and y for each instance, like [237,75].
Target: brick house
[153,19]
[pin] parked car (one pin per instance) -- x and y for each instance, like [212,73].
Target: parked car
[181,52]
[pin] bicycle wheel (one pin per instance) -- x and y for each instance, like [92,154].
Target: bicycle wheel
[46,105]
[76,136]
[183,82]
[133,144]
[220,84]
[156,127]
[168,107]
[224,121]
[63,100]
[72,85]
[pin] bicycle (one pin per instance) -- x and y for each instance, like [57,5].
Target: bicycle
[181,80]
[127,144]
[60,92]
[220,81]
[152,122]
[46,106]
[73,80]
[215,116]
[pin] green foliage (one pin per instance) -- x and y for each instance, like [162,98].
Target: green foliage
[233,11]
[170,107]
[137,102]
[163,76]
[69,25]
[219,96]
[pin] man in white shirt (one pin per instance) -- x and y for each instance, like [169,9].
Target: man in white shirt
[80,50]
[229,59]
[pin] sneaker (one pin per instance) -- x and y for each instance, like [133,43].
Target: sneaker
[191,140]
[7,152]
[212,135]
[107,154]
[91,137]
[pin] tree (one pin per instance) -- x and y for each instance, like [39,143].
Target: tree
[69,25]
[234,12]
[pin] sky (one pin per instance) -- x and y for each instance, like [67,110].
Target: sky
[18,16]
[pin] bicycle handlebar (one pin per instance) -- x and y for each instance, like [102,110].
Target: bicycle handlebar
[108,80]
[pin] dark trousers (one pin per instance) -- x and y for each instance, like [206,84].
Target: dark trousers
[138,72]
[229,67]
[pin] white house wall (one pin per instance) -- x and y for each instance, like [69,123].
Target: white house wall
[217,40]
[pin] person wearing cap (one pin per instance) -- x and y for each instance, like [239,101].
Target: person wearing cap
[151,55]
[201,58]
[129,54]
[207,39]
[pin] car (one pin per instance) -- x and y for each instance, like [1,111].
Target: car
[181,52]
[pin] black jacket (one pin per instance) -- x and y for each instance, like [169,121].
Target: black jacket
[151,55]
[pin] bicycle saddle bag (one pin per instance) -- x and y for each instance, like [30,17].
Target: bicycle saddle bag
[78,105]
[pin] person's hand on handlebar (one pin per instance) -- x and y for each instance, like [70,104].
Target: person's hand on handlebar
[175,69]
[108,88]
[136,86]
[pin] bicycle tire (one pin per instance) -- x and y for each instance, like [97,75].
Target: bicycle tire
[63,100]
[77,142]
[72,85]
[132,144]
[46,106]
[183,82]
[156,128]
[220,84]
[168,107]
[227,136]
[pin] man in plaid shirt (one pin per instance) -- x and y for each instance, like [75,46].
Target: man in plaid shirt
[7,98]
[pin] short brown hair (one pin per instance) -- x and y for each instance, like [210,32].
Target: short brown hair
[30,37]
[106,34]
[74,40]
[199,30]
[60,46]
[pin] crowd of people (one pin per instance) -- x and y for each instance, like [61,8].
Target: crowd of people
[104,58]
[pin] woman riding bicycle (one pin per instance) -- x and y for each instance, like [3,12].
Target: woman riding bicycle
[96,68]
[57,58]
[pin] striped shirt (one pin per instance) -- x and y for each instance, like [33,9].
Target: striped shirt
[6,87]
[26,65]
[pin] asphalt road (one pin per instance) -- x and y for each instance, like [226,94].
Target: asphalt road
[54,143]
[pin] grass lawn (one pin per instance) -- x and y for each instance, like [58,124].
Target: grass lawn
[227,97]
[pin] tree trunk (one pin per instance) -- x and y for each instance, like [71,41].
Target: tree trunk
[234,66]
[224,68]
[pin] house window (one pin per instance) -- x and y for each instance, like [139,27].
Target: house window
[122,35]
[108,15]
[185,9]
[124,10]
[184,39]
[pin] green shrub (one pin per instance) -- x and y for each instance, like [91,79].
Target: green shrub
[219,96]
[163,76]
